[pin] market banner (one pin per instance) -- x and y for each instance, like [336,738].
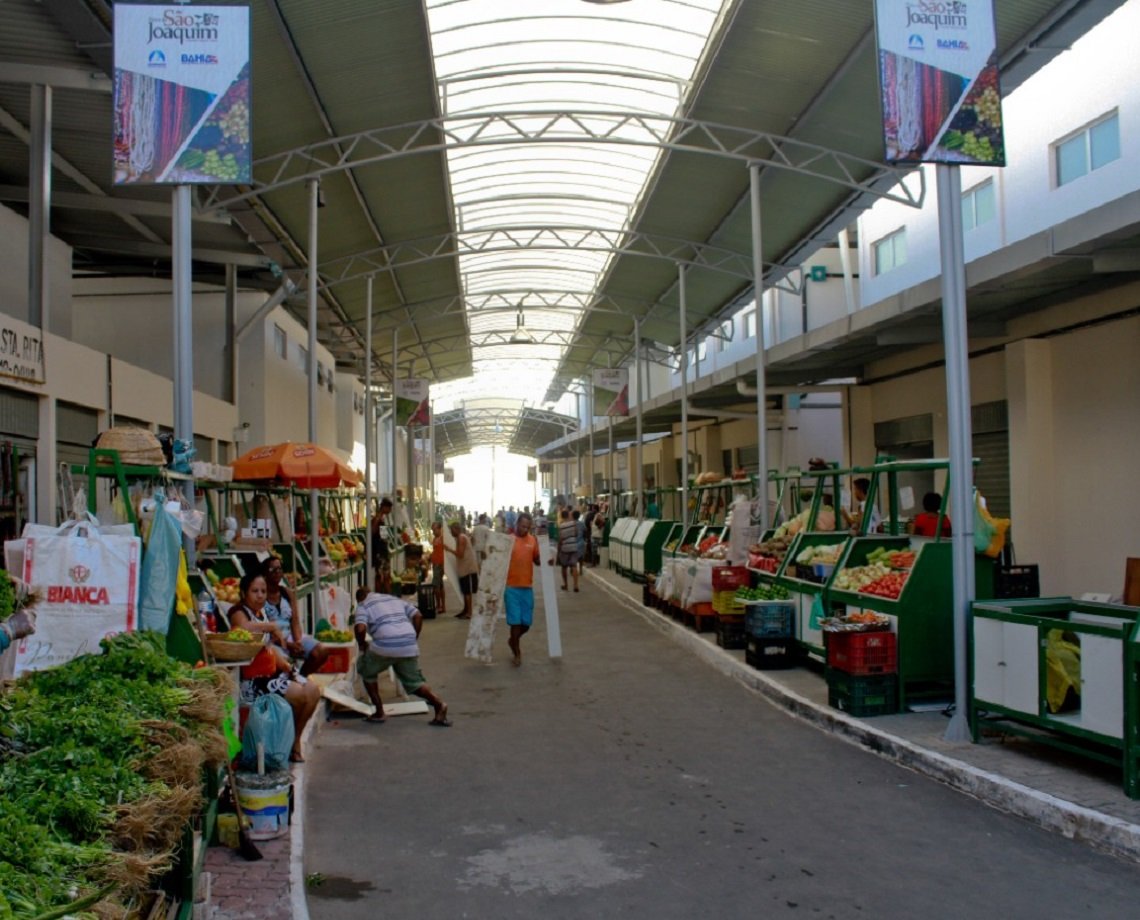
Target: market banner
[412,409]
[938,73]
[21,351]
[611,391]
[181,100]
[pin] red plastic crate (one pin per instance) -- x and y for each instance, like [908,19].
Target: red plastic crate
[730,577]
[338,661]
[862,653]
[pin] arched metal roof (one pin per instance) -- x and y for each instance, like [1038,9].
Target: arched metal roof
[456,121]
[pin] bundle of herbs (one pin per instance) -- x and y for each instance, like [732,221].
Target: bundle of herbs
[101,766]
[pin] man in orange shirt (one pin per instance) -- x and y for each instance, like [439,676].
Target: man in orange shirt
[518,598]
[437,566]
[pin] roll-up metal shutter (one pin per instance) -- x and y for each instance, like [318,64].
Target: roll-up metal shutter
[990,422]
[748,458]
[203,448]
[19,414]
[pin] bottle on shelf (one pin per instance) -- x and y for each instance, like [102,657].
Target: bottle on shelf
[207,611]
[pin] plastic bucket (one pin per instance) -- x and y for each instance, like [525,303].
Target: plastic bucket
[265,802]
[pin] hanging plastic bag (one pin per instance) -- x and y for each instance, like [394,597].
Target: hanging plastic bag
[1062,668]
[160,571]
[270,724]
[817,612]
[989,532]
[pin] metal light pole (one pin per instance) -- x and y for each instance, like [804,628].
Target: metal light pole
[958,422]
[684,399]
[368,573]
[642,499]
[761,382]
[395,414]
[314,502]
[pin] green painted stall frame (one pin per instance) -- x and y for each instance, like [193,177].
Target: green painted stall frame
[1009,652]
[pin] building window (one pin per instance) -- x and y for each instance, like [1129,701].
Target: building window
[320,374]
[1088,149]
[979,205]
[725,336]
[703,350]
[750,325]
[890,251]
[280,342]
[303,354]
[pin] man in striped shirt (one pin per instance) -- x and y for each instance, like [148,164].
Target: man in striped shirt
[387,629]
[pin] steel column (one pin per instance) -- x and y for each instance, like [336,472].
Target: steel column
[314,502]
[848,276]
[368,426]
[761,390]
[395,429]
[590,486]
[951,247]
[684,299]
[431,463]
[39,206]
[231,388]
[637,375]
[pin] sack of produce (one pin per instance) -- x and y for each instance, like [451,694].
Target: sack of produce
[270,723]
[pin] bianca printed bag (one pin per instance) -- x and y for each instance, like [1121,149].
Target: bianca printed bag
[88,588]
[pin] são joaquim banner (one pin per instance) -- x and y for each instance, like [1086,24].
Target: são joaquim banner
[611,391]
[181,103]
[412,407]
[939,78]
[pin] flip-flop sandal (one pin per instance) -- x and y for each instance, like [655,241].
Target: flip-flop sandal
[442,723]
[296,758]
[374,720]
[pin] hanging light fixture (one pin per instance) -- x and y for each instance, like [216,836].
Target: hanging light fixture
[522,335]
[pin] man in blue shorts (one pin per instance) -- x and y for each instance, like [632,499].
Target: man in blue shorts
[518,599]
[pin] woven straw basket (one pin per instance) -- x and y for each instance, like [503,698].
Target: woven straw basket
[136,446]
[223,649]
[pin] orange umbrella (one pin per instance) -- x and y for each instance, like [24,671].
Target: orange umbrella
[302,464]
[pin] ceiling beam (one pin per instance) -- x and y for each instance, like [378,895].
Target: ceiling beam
[113,205]
[163,251]
[57,77]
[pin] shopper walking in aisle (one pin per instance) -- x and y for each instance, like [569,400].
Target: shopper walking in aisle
[479,534]
[568,547]
[387,631]
[598,533]
[381,557]
[518,598]
[581,531]
[467,565]
[437,558]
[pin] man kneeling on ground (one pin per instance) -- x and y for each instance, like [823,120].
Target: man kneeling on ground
[387,629]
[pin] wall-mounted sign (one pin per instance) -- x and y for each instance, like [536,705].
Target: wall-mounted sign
[532,474]
[448,474]
[182,102]
[21,351]
[412,408]
[611,391]
[939,78]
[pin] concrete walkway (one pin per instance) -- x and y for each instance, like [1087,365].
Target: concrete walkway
[643,775]
[1072,795]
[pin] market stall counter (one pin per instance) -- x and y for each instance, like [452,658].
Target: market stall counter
[1062,672]
[908,580]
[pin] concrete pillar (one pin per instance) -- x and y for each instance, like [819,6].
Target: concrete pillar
[1029,390]
[47,489]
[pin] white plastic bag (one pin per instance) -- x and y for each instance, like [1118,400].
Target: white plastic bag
[88,584]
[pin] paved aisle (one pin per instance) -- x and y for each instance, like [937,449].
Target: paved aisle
[630,780]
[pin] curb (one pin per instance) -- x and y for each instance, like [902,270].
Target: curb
[1075,822]
[297,829]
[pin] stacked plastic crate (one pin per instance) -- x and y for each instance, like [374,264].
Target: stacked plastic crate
[862,672]
[726,580]
[769,627]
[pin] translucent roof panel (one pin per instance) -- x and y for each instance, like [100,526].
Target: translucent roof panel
[526,60]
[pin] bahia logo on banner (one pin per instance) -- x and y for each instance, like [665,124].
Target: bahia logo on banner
[953,44]
[156,58]
[182,27]
[199,59]
[941,14]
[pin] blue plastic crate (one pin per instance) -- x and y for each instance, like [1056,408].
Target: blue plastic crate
[770,619]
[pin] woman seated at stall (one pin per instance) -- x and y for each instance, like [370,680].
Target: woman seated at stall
[271,671]
[281,608]
[926,524]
